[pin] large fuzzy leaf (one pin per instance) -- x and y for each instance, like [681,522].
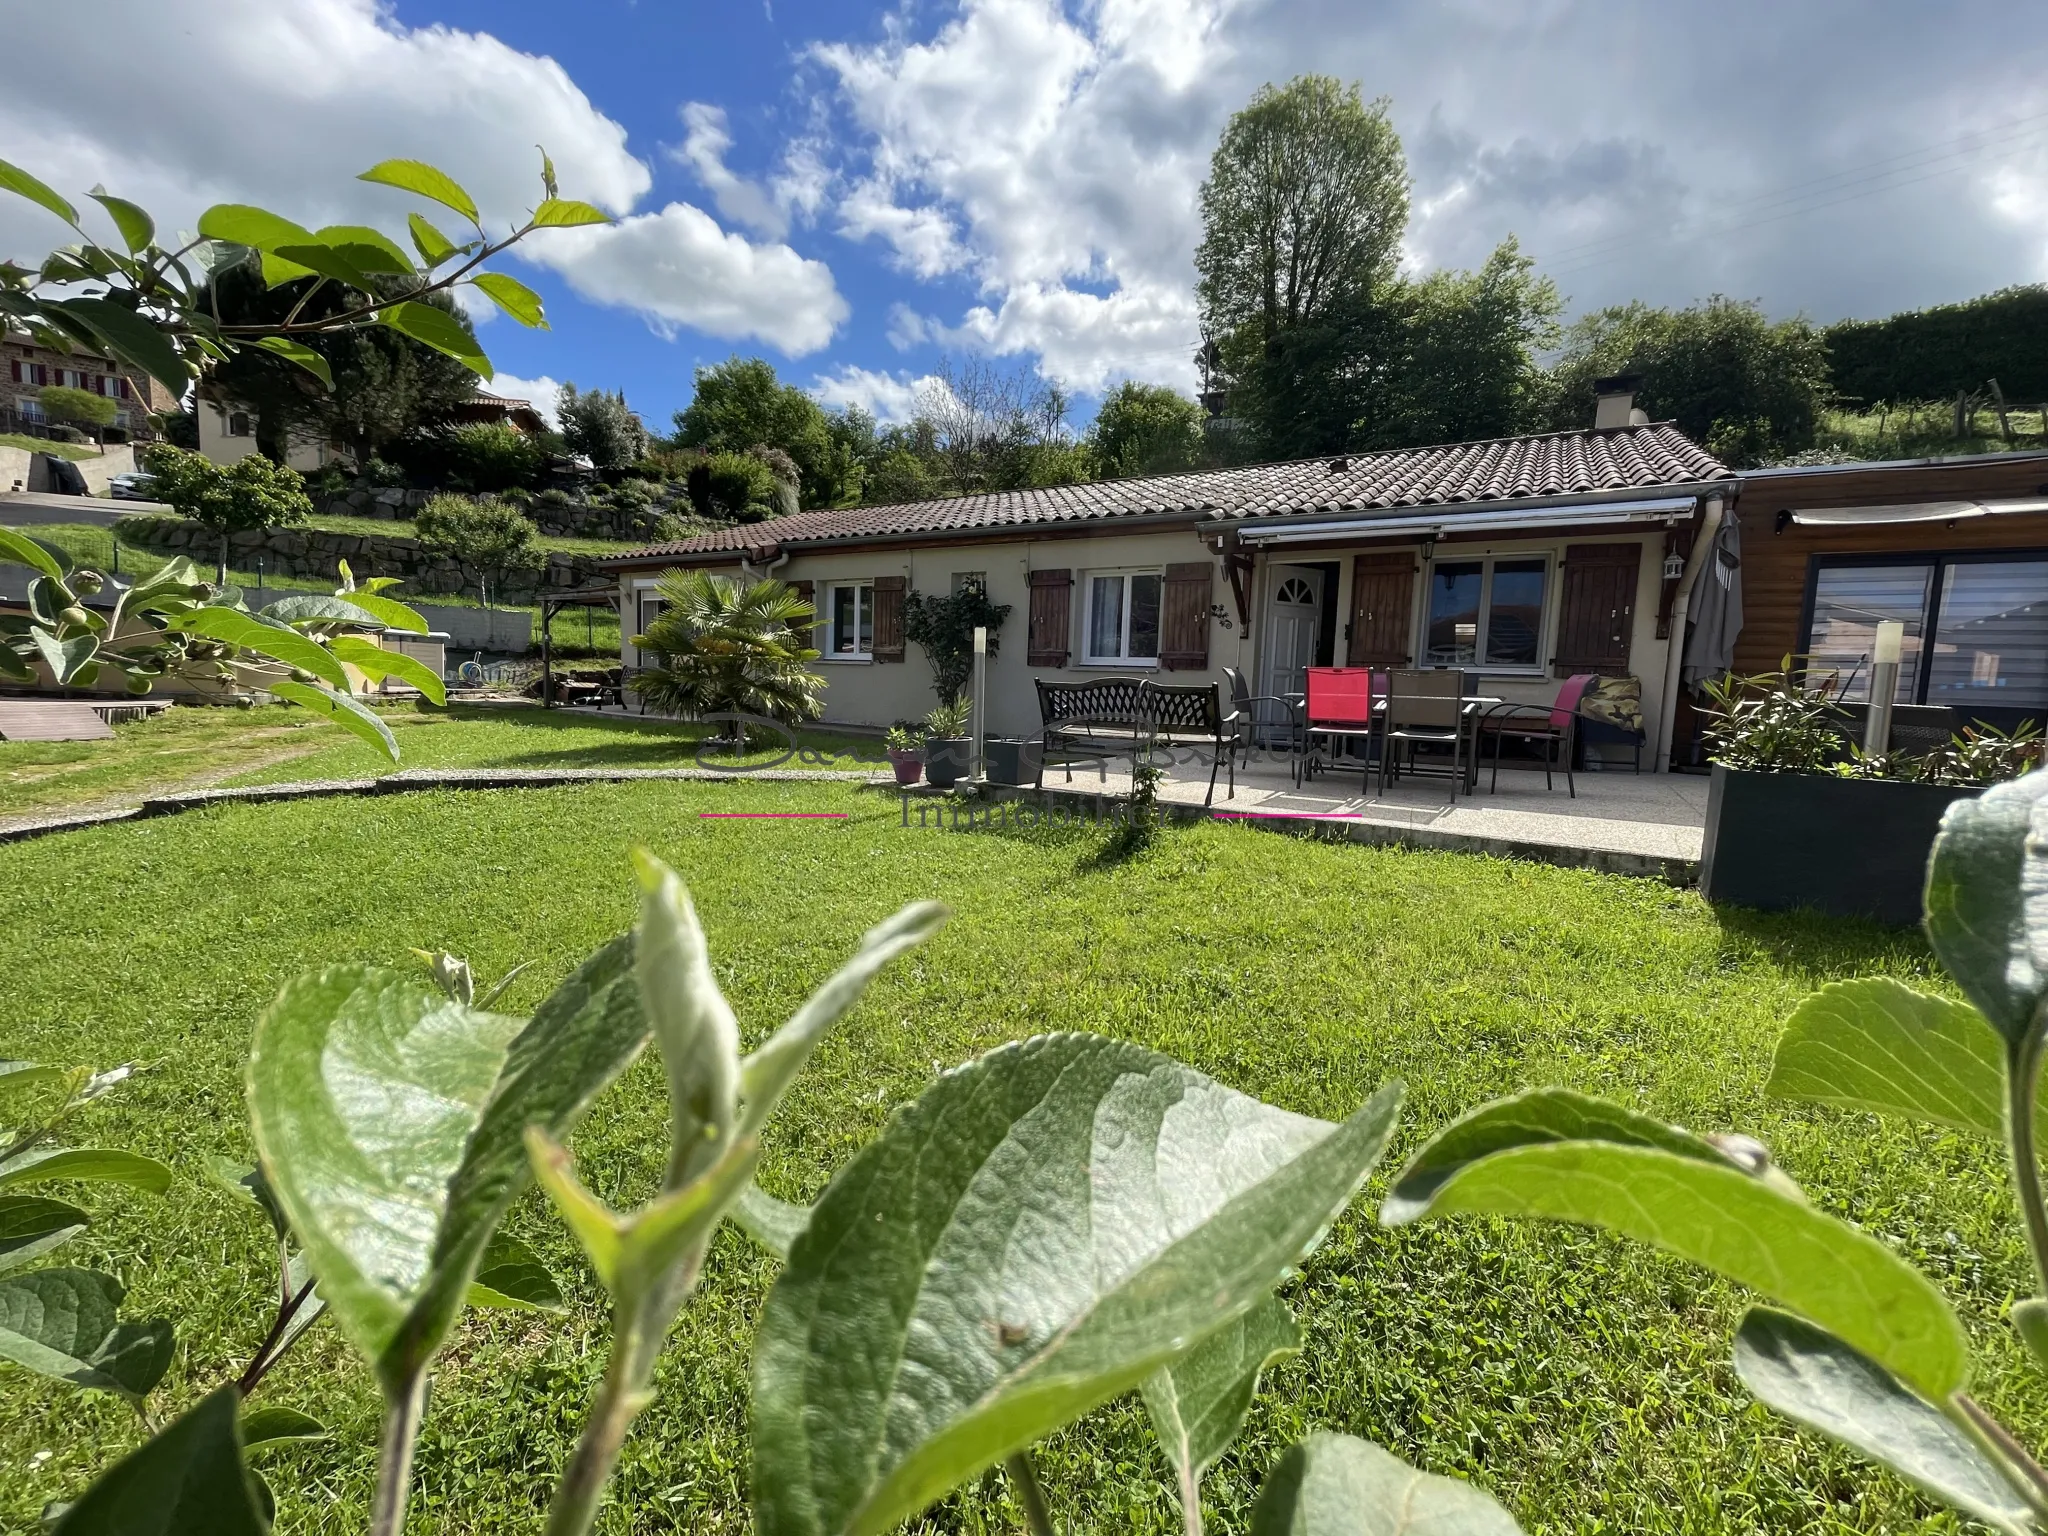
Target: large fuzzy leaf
[1197,1404]
[1333,1485]
[136,226]
[417,176]
[1752,1226]
[364,1087]
[14,179]
[62,1323]
[1987,900]
[437,329]
[1042,1230]
[388,610]
[376,663]
[1811,1376]
[95,1165]
[1875,1044]
[274,639]
[130,336]
[511,1277]
[188,1481]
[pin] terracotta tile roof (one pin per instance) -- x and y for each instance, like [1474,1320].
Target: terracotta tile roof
[1555,464]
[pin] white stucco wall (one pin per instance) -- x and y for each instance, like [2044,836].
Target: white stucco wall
[873,694]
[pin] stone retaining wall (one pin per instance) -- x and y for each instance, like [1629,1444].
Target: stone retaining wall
[580,519]
[315,553]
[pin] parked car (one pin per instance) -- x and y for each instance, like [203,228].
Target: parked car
[133,486]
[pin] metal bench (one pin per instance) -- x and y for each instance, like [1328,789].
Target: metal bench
[1129,716]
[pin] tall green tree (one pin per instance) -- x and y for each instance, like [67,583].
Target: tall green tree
[740,405]
[385,383]
[600,426]
[1146,429]
[1749,389]
[1303,210]
[1468,356]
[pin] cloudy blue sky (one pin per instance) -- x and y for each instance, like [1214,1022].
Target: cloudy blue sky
[856,192]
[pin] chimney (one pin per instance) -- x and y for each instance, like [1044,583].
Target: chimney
[1615,401]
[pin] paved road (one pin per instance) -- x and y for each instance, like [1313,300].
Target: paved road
[21,508]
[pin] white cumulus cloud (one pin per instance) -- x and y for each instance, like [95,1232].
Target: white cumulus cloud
[539,393]
[677,267]
[889,398]
[204,101]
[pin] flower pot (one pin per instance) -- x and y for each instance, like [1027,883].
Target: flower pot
[1011,759]
[908,763]
[947,759]
[1845,847]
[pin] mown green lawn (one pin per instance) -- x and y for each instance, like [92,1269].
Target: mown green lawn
[1583,1380]
[278,743]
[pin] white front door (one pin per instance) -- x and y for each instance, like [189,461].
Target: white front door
[1293,612]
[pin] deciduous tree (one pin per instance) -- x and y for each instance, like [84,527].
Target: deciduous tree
[1146,429]
[253,492]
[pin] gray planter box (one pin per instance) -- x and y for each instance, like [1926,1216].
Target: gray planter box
[1845,847]
[1011,760]
[947,760]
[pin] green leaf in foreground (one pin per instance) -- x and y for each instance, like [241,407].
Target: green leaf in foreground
[62,1323]
[1334,1485]
[274,639]
[376,663]
[19,549]
[566,213]
[343,709]
[773,1223]
[31,1226]
[1814,1378]
[389,610]
[188,1481]
[437,329]
[510,1276]
[136,226]
[14,179]
[294,352]
[418,176]
[94,1165]
[514,297]
[364,1087]
[269,1426]
[1197,1404]
[1987,900]
[1042,1230]
[1875,1044]
[1756,1230]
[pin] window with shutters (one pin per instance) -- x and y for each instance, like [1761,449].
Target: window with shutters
[850,621]
[1487,613]
[238,424]
[1121,624]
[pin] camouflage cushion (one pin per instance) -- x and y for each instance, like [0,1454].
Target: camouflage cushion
[1615,701]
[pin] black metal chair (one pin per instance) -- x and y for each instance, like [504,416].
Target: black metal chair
[1254,723]
[1424,708]
[1551,727]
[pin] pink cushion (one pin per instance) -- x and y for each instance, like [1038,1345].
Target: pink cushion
[1568,697]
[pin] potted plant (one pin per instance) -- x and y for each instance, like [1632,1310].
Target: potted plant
[906,754]
[1798,816]
[948,749]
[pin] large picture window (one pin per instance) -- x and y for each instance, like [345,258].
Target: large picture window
[850,607]
[1976,628]
[1487,613]
[1123,616]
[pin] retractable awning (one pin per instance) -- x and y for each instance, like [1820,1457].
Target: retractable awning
[1467,518]
[1913,512]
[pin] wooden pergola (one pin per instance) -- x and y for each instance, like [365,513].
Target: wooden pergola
[552,604]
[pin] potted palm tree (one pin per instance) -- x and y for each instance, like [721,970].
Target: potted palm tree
[948,749]
[731,648]
[905,746]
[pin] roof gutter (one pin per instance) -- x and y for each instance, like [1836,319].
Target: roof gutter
[1016,532]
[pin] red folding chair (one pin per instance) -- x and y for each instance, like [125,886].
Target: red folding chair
[1339,709]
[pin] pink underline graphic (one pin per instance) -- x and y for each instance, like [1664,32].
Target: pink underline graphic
[772,815]
[1282,816]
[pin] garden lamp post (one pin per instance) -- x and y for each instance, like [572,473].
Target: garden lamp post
[1884,682]
[980,692]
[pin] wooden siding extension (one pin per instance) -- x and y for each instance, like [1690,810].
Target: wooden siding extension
[1775,562]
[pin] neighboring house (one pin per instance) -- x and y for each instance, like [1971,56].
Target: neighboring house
[1956,549]
[29,367]
[227,431]
[1522,560]
[490,410]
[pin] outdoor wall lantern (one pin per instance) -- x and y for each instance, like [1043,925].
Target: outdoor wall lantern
[1674,566]
[1428,546]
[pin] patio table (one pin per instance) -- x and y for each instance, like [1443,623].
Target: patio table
[1473,704]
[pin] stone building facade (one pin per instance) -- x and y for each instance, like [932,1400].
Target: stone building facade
[27,368]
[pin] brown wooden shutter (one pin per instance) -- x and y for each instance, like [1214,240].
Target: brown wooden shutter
[808,591]
[889,618]
[1184,616]
[1382,610]
[1051,598]
[1598,610]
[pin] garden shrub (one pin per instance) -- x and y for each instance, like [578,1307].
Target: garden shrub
[486,457]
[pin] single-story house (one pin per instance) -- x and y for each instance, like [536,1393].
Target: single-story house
[1956,549]
[1522,560]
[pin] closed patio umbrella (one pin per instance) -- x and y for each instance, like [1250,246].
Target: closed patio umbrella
[1714,617]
